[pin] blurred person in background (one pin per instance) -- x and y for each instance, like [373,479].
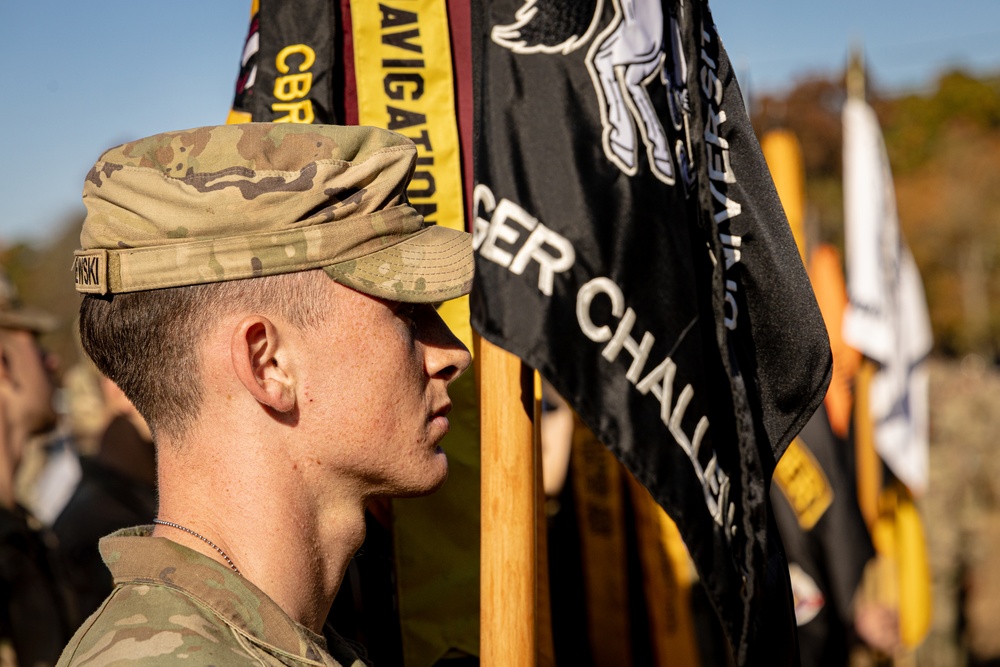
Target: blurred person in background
[34,609]
[117,490]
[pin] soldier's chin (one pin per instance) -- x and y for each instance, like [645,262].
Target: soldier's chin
[428,484]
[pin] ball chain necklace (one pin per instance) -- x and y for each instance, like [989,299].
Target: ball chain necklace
[203,539]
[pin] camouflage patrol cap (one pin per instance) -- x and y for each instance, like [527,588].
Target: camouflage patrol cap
[14,315]
[241,201]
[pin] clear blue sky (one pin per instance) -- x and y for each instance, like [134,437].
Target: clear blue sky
[80,77]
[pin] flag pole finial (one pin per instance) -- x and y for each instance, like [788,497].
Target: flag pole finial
[856,72]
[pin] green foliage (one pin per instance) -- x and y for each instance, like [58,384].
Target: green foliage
[944,148]
[916,125]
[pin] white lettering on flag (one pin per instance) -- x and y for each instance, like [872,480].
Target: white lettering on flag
[660,383]
[720,171]
[514,239]
[552,252]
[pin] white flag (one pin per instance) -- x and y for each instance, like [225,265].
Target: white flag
[887,316]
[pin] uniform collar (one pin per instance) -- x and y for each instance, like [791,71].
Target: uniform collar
[134,556]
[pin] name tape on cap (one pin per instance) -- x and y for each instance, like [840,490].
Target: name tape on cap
[90,268]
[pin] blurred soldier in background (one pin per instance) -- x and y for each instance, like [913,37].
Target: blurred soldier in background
[34,621]
[117,490]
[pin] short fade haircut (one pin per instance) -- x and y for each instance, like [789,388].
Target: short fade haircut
[147,342]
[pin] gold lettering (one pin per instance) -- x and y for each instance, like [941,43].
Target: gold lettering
[281,62]
[298,112]
[292,86]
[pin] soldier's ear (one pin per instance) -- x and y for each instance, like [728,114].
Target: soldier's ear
[259,360]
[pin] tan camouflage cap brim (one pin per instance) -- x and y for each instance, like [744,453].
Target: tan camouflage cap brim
[241,201]
[429,266]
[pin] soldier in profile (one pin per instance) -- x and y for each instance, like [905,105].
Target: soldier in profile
[263,294]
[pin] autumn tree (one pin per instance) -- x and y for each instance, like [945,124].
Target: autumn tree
[944,148]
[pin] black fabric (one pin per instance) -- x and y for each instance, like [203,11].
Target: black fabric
[833,553]
[279,25]
[567,587]
[35,613]
[365,610]
[661,292]
[116,490]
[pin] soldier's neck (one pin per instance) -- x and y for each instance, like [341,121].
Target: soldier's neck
[293,548]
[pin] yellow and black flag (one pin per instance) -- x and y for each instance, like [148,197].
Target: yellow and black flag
[825,538]
[289,66]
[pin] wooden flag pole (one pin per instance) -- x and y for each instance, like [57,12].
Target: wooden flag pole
[545,653]
[509,602]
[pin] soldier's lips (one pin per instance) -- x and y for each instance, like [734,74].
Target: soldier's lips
[439,421]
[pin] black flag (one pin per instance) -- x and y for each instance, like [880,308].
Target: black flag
[825,538]
[289,71]
[631,247]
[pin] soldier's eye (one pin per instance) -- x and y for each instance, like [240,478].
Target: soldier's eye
[407,310]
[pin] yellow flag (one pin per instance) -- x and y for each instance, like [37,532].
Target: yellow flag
[784,159]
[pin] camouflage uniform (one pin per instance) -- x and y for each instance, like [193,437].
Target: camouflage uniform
[172,603]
